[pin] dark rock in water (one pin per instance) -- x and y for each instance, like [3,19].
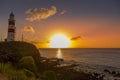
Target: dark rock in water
[113,72]
[106,70]
[117,75]
[14,51]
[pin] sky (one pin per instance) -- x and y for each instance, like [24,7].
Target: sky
[97,22]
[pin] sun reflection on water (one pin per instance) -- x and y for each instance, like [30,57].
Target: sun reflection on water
[59,54]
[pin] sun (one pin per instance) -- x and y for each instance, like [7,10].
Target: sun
[59,41]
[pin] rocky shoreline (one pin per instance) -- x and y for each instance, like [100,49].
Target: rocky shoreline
[106,72]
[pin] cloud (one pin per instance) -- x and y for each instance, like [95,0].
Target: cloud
[28,29]
[76,38]
[39,14]
[40,42]
[63,12]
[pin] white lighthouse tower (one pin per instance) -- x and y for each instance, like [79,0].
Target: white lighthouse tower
[11,28]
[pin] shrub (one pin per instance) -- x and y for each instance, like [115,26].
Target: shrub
[29,73]
[28,63]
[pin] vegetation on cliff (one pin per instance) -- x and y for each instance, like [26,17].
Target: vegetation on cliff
[14,51]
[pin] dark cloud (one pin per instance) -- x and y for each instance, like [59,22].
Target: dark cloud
[76,38]
[40,42]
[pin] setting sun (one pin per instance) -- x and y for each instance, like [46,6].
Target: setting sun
[59,41]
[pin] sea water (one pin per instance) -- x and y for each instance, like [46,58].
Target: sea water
[107,57]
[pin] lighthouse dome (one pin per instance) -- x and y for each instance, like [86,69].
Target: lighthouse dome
[11,14]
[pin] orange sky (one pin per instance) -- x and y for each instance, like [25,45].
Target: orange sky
[95,33]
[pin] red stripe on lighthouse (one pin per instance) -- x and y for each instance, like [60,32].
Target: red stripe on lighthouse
[11,30]
[11,23]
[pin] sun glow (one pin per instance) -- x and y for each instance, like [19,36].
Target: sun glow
[59,41]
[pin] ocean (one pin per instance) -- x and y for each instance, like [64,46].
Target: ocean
[106,57]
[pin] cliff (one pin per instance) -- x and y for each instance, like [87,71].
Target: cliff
[14,51]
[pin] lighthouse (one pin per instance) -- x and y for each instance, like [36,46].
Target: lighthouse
[11,28]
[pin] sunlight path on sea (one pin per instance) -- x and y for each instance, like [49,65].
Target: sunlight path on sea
[59,54]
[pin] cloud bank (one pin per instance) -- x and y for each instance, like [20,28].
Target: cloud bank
[39,14]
